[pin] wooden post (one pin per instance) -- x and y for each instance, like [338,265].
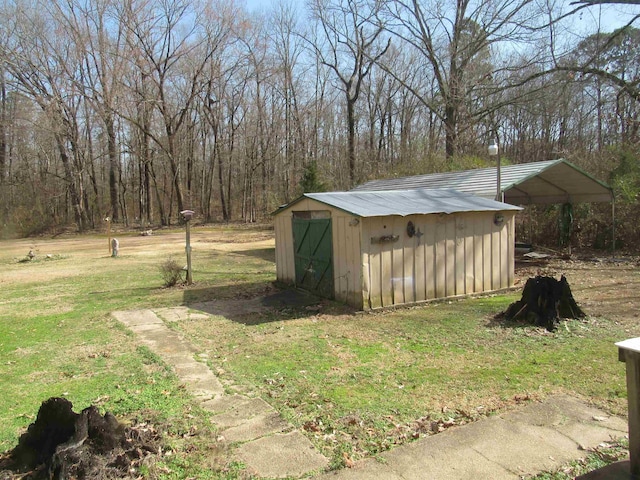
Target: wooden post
[629,352]
[188,248]
[187,215]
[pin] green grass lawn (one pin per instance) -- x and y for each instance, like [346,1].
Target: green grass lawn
[356,383]
[57,337]
[362,383]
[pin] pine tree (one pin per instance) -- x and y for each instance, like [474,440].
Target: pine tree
[311,182]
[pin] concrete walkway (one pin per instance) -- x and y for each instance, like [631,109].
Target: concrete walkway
[517,444]
[265,442]
[531,439]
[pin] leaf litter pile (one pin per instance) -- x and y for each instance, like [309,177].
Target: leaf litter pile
[62,444]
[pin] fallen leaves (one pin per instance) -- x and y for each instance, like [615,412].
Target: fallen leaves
[348,461]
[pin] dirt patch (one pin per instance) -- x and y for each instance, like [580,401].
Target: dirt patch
[602,287]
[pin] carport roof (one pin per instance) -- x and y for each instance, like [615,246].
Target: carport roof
[552,181]
[405,202]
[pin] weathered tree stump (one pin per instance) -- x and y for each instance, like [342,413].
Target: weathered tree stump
[544,302]
[115,247]
[62,444]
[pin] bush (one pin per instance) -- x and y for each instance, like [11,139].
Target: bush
[171,272]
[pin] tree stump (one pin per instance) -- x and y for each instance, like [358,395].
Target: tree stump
[62,445]
[115,247]
[544,302]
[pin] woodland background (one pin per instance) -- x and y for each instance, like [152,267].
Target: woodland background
[138,109]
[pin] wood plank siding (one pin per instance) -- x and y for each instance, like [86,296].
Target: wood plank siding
[451,255]
[377,264]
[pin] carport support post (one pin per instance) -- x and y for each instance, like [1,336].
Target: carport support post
[629,352]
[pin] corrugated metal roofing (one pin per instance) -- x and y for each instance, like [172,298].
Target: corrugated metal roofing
[552,181]
[405,202]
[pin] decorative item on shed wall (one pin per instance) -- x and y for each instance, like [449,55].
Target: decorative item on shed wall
[385,239]
[411,229]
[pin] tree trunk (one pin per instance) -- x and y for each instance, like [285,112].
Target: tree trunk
[74,195]
[544,302]
[450,125]
[175,170]
[351,140]
[113,167]
[223,203]
[163,219]
[3,128]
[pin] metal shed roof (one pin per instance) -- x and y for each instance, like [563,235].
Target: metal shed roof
[405,202]
[553,181]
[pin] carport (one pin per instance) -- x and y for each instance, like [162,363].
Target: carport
[552,181]
[535,183]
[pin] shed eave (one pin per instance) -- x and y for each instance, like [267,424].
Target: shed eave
[408,202]
[302,197]
[520,199]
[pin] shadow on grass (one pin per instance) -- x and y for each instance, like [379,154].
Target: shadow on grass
[499,320]
[113,291]
[256,303]
[236,290]
[266,254]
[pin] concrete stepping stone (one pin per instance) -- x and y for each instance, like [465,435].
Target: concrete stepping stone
[224,403]
[241,411]
[177,314]
[203,387]
[282,456]
[256,427]
[135,318]
[173,314]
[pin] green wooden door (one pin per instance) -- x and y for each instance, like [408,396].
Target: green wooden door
[313,255]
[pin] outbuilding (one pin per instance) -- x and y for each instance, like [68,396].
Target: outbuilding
[374,249]
[547,182]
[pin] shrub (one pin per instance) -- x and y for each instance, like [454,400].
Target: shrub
[171,272]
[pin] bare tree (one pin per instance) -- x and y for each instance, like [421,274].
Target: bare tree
[44,67]
[97,32]
[288,48]
[3,126]
[349,44]
[455,41]
[174,44]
